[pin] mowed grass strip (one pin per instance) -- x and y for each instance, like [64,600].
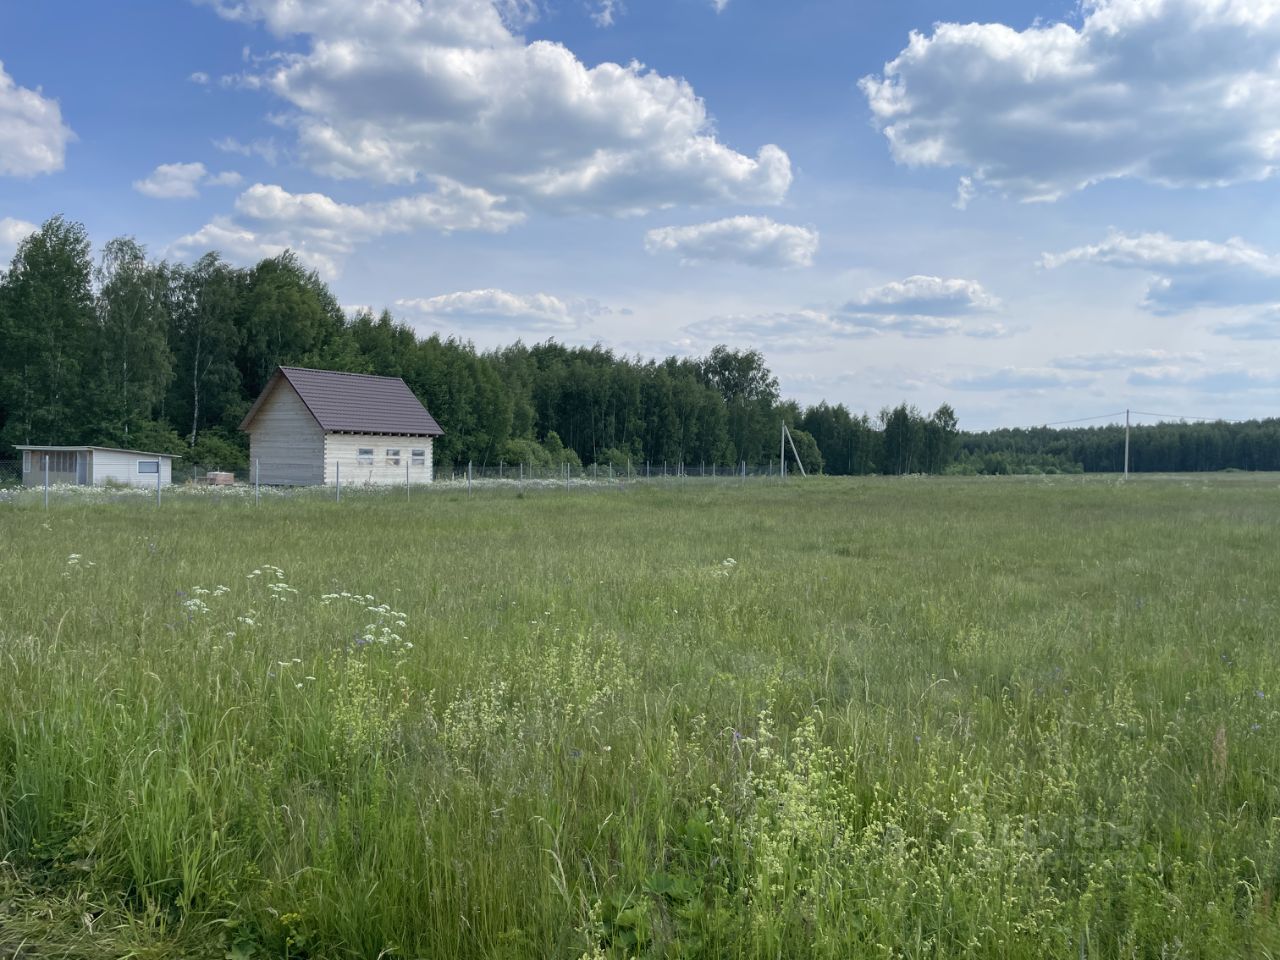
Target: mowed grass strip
[834,718]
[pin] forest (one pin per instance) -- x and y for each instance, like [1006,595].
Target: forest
[122,349]
[125,350]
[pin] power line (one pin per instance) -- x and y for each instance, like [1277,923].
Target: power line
[1059,423]
[1167,417]
[1174,416]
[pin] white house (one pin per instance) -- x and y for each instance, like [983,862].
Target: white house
[95,466]
[326,427]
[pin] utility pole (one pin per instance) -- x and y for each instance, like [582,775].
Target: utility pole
[1126,444]
[782,453]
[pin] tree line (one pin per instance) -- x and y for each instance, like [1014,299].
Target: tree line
[125,350]
[1171,447]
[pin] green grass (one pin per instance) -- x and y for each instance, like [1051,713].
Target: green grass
[912,718]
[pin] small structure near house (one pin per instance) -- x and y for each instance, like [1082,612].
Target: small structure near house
[95,466]
[325,427]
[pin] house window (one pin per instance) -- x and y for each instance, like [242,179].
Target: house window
[148,466]
[393,458]
[364,456]
[26,461]
[418,458]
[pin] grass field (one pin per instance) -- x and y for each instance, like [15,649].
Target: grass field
[842,719]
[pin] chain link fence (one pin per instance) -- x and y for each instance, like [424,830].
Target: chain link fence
[359,478]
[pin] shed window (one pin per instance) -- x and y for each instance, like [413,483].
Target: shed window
[393,458]
[148,466]
[418,458]
[364,456]
[26,461]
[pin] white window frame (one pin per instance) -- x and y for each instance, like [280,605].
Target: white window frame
[26,461]
[364,456]
[148,464]
[418,457]
[393,456]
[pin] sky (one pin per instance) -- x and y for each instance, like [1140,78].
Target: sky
[1034,211]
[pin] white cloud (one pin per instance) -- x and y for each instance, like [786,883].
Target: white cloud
[922,306]
[1262,326]
[33,138]
[1124,360]
[13,232]
[266,149]
[719,5]
[795,330]
[393,91]
[451,207]
[605,12]
[755,241]
[1226,380]
[246,246]
[505,310]
[323,231]
[200,78]
[1185,273]
[176,181]
[1174,92]
[926,296]
[1018,380]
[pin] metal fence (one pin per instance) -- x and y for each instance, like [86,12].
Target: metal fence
[337,480]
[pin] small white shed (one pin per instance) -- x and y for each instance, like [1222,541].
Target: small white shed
[327,427]
[95,466]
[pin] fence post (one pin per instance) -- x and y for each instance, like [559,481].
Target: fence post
[406,477]
[46,481]
[468,477]
[500,476]
[337,477]
[257,474]
[521,474]
[158,475]
[566,475]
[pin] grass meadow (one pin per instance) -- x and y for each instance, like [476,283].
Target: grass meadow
[881,718]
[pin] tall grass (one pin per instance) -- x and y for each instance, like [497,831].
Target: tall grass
[871,718]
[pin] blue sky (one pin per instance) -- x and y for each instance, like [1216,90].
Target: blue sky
[1033,211]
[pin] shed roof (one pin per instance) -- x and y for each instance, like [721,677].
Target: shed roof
[353,402]
[52,448]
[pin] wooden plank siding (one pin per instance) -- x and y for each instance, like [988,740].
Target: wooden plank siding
[286,443]
[379,468]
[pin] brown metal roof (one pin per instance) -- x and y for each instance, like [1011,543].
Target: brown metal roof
[354,402]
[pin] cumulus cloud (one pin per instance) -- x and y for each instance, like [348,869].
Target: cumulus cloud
[176,181]
[13,232]
[450,207]
[1173,92]
[502,309]
[922,306]
[755,241]
[394,91]
[244,245]
[915,307]
[33,138]
[1185,273]
[926,296]
[323,230]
